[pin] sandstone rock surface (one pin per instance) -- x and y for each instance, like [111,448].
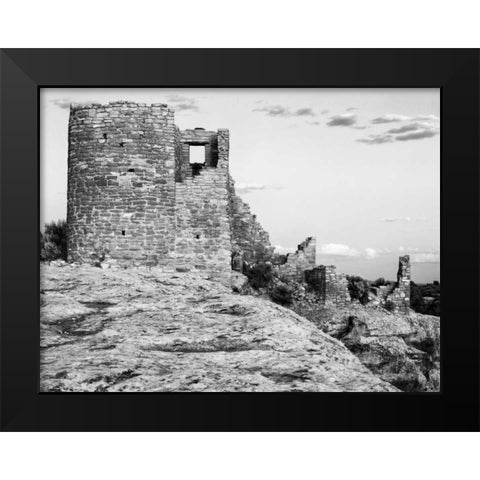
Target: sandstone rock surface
[402,349]
[142,330]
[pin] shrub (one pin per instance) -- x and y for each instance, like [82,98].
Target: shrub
[53,243]
[417,301]
[282,294]
[390,306]
[358,289]
[379,282]
[260,275]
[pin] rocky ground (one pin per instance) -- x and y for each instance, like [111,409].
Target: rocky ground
[142,330]
[403,350]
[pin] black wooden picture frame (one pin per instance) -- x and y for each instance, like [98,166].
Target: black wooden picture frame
[24,72]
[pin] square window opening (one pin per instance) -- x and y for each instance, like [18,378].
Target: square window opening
[197,154]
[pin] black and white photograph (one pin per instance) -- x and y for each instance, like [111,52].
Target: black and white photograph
[240,240]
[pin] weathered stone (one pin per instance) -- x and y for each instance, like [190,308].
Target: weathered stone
[138,330]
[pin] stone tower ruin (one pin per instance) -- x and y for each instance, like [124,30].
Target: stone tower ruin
[135,198]
[138,194]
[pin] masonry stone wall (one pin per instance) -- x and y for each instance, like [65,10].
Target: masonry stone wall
[134,198]
[203,235]
[121,186]
[250,242]
[296,263]
[400,296]
[331,287]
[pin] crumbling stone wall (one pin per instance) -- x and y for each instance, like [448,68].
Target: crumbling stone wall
[331,287]
[121,185]
[400,296]
[203,235]
[296,263]
[134,198]
[250,242]
[395,295]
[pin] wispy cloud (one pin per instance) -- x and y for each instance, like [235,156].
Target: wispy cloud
[62,102]
[346,251]
[371,253]
[283,250]
[396,219]
[403,219]
[406,128]
[376,139]
[338,249]
[395,117]
[302,112]
[181,103]
[352,109]
[415,130]
[281,111]
[253,187]
[391,117]
[342,120]
[324,112]
[417,134]
[425,257]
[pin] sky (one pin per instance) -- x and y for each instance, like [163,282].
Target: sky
[359,169]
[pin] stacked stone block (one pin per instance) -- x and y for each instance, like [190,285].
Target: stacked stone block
[121,185]
[299,261]
[331,287]
[250,242]
[400,296]
[135,199]
[203,234]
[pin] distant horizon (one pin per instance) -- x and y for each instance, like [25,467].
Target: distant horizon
[356,168]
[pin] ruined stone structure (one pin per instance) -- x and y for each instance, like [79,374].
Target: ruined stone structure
[331,287]
[250,242]
[396,295]
[400,296]
[296,263]
[134,198]
[137,196]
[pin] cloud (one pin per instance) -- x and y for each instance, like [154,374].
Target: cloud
[377,139]
[283,250]
[338,249]
[411,131]
[395,117]
[390,117]
[351,109]
[280,111]
[249,187]
[301,112]
[396,219]
[417,134]
[430,118]
[62,102]
[342,250]
[324,112]
[406,128]
[371,253]
[252,187]
[181,103]
[425,257]
[274,111]
[342,120]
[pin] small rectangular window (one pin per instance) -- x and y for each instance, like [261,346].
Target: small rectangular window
[197,154]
